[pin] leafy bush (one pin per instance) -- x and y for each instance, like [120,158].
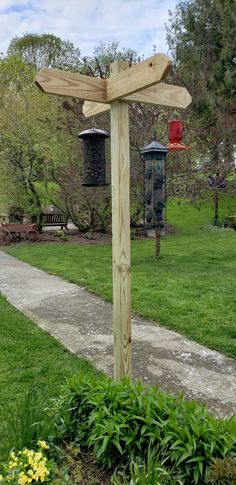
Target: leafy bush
[120,421]
[230,223]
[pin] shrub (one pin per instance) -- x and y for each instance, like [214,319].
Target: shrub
[120,421]
[61,235]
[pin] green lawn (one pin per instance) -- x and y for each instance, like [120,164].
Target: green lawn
[189,218]
[30,357]
[191,289]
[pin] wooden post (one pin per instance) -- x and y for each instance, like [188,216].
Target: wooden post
[125,83]
[120,176]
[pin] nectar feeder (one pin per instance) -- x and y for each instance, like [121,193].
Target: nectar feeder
[94,157]
[175,133]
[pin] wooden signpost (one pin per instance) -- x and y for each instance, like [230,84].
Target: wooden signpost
[126,84]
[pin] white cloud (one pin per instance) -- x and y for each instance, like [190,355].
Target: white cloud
[138,24]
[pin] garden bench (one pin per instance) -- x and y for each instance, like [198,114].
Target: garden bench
[56,219]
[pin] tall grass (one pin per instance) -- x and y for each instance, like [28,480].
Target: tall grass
[29,421]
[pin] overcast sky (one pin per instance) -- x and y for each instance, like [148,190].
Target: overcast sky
[138,24]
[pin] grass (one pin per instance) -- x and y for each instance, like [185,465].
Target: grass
[30,357]
[189,218]
[191,289]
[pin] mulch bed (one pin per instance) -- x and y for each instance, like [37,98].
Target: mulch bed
[81,467]
[91,472]
[88,238]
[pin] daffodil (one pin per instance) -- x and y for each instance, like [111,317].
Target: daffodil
[43,445]
[23,479]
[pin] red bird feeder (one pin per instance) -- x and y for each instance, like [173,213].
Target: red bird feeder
[175,133]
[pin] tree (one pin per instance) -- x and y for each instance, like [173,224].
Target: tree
[202,42]
[32,136]
[45,50]
[99,63]
[201,37]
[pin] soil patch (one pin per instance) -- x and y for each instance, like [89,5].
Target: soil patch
[93,237]
[84,469]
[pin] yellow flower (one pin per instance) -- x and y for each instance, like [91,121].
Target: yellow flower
[43,445]
[23,479]
[31,461]
[1,478]
[38,456]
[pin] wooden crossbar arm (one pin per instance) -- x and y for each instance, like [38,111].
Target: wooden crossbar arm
[55,81]
[162,94]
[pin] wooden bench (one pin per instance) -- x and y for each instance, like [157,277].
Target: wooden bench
[56,219]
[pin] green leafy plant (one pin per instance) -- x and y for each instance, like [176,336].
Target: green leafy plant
[88,235]
[120,421]
[149,472]
[61,235]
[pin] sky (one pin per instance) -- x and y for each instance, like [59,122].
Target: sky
[136,24]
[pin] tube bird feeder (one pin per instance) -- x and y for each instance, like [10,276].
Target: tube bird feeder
[94,157]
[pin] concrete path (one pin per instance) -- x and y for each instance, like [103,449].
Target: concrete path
[83,322]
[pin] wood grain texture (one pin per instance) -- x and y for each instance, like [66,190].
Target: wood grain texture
[91,108]
[137,77]
[120,173]
[162,94]
[54,81]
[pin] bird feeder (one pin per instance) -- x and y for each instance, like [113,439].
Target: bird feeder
[94,157]
[175,133]
[154,156]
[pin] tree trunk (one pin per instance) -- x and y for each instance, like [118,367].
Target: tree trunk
[158,242]
[216,207]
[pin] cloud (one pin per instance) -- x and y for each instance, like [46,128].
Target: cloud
[138,24]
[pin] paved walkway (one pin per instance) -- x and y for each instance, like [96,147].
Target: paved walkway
[83,322]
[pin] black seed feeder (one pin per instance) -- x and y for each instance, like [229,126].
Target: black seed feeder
[154,156]
[94,157]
